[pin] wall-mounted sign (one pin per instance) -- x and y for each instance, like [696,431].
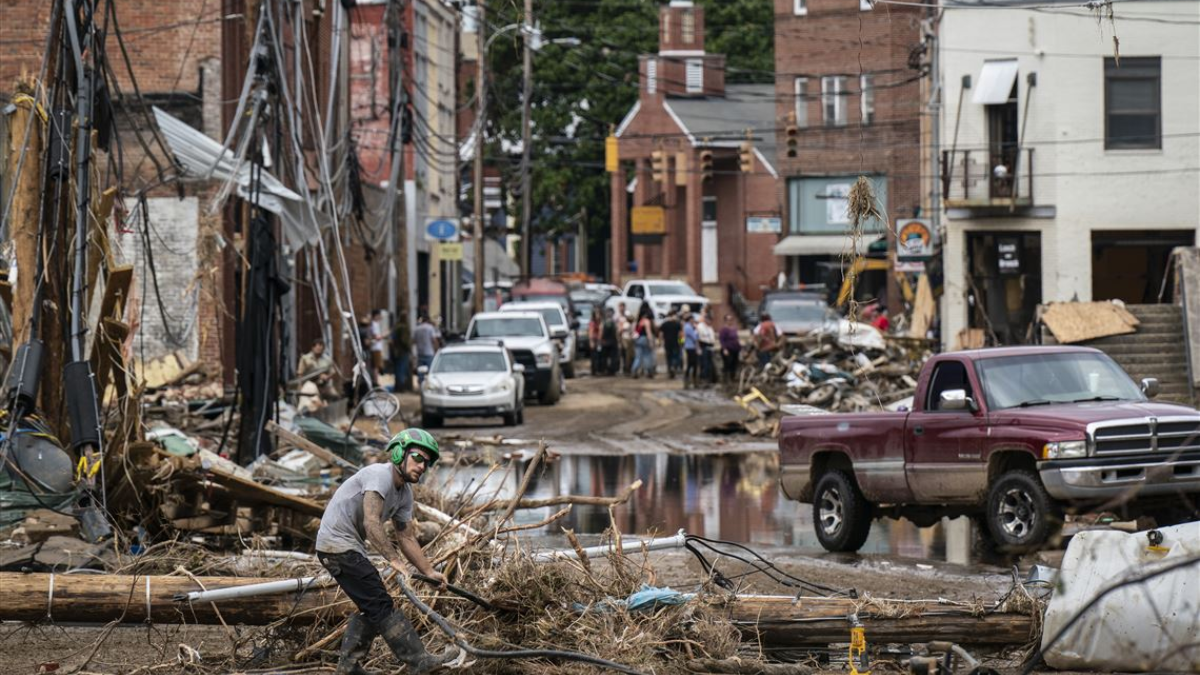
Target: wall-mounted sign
[452,252]
[1008,255]
[441,229]
[648,220]
[768,224]
[612,155]
[914,239]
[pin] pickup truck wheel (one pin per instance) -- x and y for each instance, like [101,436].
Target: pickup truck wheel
[841,515]
[569,370]
[1021,515]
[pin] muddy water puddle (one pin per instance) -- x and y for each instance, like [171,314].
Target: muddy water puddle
[732,497]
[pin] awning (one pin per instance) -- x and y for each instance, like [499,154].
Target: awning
[996,82]
[833,244]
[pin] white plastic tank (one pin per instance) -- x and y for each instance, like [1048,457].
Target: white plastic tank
[1141,627]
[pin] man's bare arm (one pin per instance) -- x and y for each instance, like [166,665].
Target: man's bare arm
[406,534]
[373,524]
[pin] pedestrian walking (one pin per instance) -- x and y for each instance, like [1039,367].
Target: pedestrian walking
[643,343]
[708,343]
[356,514]
[625,327]
[610,340]
[671,332]
[766,340]
[378,345]
[428,340]
[691,352]
[595,328]
[731,348]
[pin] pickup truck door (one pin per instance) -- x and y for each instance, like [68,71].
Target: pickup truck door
[944,448]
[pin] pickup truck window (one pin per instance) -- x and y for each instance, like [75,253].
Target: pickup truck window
[671,288]
[1043,379]
[948,375]
[499,328]
[636,291]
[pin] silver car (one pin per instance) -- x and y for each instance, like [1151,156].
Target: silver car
[476,379]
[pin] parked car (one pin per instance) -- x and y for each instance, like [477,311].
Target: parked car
[527,338]
[473,379]
[796,312]
[664,296]
[540,289]
[561,329]
[1009,436]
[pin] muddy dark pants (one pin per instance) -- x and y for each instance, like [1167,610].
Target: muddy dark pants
[361,583]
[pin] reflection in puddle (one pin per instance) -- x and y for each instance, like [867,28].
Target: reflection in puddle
[730,497]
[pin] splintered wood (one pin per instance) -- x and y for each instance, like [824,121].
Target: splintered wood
[1072,322]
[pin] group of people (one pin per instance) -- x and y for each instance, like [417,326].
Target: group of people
[622,342]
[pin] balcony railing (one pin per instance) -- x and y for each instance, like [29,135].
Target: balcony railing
[989,178]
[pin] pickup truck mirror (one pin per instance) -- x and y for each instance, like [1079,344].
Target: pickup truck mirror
[957,399]
[518,367]
[1150,386]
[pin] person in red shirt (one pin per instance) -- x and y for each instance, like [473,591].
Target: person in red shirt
[766,340]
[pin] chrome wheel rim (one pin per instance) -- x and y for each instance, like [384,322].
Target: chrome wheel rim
[830,511]
[1017,513]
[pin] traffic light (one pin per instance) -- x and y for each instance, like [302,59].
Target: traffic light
[706,165]
[792,136]
[658,166]
[746,157]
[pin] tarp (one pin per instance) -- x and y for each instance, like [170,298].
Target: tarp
[203,157]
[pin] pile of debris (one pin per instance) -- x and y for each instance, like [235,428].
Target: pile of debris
[851,368]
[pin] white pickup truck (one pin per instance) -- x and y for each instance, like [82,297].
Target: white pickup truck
[664,296]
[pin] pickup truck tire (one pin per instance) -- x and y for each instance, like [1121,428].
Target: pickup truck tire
[1020,515]
[841,515]
[553,390]
[569,370]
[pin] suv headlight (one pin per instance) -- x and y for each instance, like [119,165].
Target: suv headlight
[434,386]
[501,386]
[545,359]
[1065,450]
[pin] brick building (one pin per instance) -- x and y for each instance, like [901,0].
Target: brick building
[843,79]
[718,219]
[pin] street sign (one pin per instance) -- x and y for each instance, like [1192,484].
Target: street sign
[770,225]
[648,220]
[453,252]
[612,155]
[440,229]
[914,240]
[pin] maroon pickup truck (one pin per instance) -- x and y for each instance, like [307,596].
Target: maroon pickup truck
[1012,437]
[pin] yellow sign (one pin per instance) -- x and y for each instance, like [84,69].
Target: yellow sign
[612,156]
[649,220]
[450,251]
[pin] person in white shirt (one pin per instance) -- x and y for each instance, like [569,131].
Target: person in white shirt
[708,342]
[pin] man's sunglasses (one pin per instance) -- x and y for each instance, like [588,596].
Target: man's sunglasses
[421,459]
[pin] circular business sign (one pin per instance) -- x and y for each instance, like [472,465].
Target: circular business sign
[441,229]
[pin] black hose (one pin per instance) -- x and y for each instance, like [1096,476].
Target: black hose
[461,592]
[452,633]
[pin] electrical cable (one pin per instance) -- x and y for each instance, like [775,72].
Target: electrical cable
[760,565]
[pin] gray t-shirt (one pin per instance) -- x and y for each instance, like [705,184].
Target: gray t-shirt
[423,336]
[342,525]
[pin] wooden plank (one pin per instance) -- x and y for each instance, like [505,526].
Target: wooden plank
[924,309]
[27,196]
[254,493]
[1072,322]
[99,598]
[303,443]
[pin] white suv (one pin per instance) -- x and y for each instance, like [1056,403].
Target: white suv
[476,379]
[560,329]
[527,338]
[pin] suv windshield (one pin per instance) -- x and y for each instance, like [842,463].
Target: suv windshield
[504,327]
[806,311]
[1039,379]
[670,289]
[469,362]
[552,316]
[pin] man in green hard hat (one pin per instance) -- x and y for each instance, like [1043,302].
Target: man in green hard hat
[355,515]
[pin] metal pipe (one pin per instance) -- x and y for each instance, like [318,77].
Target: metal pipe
[656,544]
[252,590]
[83,146]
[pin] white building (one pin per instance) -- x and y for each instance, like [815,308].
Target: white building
[1067,173]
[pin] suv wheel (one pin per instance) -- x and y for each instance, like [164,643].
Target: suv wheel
[569,370]
[1021,515]
[841,515]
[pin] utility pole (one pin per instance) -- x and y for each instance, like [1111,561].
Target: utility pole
[394,18]
[526,142]
[480,141]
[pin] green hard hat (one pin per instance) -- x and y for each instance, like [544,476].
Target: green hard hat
[413,437]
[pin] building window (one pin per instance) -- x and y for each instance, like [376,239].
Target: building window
[801,102]
[799,7]
[833,100]
[867,98]
[687,27]
[695,76]
[1133,103]
[819,205]
[865,5]
[651,75]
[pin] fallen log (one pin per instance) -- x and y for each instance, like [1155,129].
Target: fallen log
[564,500]
[100,598]
[784,621]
